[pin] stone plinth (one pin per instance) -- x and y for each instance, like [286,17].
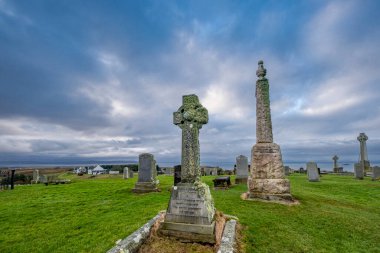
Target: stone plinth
[267,180]
[312,172]
[190,213]
[241,170]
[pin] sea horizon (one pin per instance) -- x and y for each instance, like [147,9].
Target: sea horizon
[323,165]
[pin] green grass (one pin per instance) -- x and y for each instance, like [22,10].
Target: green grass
[338,214]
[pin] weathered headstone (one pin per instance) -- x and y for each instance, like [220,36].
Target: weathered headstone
[130,173]
[312,172]
[177,174]
[287,170]
[36,176]
[126,173]
[190,214]
[359,170]
[267,178]
[375,173]
[147,174]
[241,170]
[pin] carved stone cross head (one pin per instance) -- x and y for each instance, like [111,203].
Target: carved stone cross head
[335,158]
[191,113]
[362,137]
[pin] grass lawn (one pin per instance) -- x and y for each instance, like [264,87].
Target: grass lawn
[338,214]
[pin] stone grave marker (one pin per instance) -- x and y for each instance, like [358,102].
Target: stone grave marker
[241,170]
[375,173]
[359,170]
[36,176]
[312,172]
[130,173]
[127,173]
[177,174]
[267,180]
[190,214]
[287,170]
[147,174]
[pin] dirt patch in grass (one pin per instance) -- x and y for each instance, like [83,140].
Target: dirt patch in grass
[161,244]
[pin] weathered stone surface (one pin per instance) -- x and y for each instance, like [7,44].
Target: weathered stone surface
[241,170]
[228,242]
[130,172]
[362,138]
[312,172]
[147,174]
[191,209]
[359,170]
[125,173]
[267,177]
[191,203]
[190,117]
[269,186]
[335,159]
[36,176]
[263,116]
[375,173]
[267,161]
[287,170]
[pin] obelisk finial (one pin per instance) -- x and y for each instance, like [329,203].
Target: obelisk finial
[261,71]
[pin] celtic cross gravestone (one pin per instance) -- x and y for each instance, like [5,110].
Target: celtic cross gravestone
[190,214]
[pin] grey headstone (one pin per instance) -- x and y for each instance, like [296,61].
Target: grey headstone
[36,175]
[147,174]
[287,170]
[312,172]
[359,171]
[146,168]
[130,172]
[125,173]
[241,169]
[375,172]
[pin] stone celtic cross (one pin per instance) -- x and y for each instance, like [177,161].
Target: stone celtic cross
[335,159]
[190,117]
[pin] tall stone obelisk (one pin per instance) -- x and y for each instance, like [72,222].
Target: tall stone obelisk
[190,214]
[267,179]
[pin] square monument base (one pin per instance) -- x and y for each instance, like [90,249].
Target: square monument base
[276,190]
[190,214]
[144,187]
[188,232]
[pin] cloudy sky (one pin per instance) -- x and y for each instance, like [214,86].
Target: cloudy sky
[87,80]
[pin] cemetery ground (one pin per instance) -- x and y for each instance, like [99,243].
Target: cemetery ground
[338,214]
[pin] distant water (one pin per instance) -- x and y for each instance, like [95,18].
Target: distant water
[347,166]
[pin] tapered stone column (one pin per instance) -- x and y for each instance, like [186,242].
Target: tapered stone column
[267,177]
